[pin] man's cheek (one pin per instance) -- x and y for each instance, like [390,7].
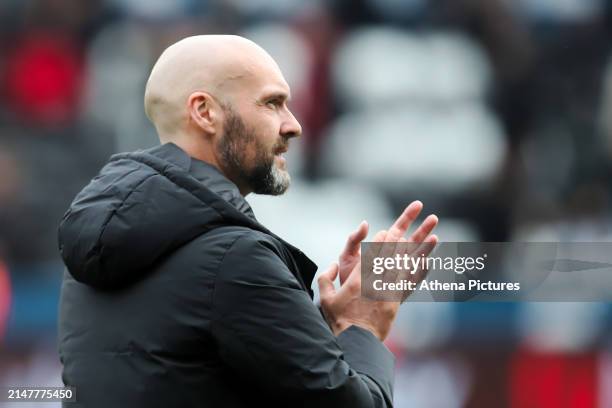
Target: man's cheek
[249,155]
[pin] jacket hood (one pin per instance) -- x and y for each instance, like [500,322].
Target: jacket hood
[141,206]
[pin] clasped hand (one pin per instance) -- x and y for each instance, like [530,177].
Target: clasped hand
[345,307]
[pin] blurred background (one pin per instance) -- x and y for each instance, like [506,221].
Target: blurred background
[497,114]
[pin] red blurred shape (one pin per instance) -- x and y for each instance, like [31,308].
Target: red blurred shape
[556,380]
[5,298]
[43,79]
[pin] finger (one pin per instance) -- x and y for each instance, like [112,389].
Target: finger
[433,240]
[424,248]
[380,236]
[423,251]
[420,273]
[353,241]
[374,247]
[399,228]
[354,277]
[403,222]
[326,281]
[418,251]
[424,229]
[403,247]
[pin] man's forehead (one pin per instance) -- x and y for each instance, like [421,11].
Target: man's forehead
[268,81]
[256,72]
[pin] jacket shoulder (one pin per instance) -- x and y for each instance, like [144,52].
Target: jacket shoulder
[253,256]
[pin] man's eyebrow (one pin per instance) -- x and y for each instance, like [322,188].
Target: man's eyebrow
[278,95]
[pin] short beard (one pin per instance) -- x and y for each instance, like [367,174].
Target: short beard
[264,177]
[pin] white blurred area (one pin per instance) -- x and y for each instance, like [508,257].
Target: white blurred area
[561,327]
[417,113]
[448,149]
[432,382]
[383,65]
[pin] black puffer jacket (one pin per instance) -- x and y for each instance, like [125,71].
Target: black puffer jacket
[177,297]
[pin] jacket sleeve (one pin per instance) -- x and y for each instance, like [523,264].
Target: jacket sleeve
[268,330]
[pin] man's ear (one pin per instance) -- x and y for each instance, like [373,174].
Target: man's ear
[204,111]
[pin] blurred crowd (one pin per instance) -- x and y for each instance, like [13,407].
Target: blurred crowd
[497,114]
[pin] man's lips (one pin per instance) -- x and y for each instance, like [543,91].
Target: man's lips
[282,150]
[280,154]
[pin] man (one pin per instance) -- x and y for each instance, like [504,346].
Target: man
[176,295]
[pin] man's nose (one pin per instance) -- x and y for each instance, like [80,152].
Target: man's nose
[290,126]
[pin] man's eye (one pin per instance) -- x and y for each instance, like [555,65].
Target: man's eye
[273,103]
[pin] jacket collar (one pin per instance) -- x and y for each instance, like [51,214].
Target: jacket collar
[215,180]
[217,183]
[206,174]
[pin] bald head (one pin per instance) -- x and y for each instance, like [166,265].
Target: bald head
[216,64]
[223,100]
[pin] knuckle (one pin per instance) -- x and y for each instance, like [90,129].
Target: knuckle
[388,309]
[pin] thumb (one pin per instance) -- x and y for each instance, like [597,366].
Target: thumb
[326,281]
